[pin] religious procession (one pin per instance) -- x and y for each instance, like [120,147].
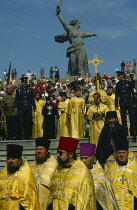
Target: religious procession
[81,130]
[94,177]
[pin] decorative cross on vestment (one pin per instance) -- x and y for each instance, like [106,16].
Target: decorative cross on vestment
[123,179]
[7,197]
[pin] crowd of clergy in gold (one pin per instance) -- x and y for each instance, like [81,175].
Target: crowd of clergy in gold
[72,114]
[69,182]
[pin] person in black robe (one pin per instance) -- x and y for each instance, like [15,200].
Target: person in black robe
[111,132]
[50,113]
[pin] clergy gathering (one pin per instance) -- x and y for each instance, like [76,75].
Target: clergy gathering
[69,143]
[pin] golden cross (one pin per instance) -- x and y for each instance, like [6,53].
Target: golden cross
[95,61]
[123,179]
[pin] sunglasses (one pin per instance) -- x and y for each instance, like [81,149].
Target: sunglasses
[60,152]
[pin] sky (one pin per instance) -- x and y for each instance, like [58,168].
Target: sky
[28,27]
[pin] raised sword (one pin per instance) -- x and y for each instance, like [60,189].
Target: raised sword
[60,3]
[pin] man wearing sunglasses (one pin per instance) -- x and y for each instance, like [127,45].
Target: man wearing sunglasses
[72,183]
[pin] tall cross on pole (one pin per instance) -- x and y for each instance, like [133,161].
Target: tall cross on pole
[96,62]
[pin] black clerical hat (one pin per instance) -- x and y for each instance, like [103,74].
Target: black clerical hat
[122,144]
[48,98]
[111,114]
[24,79]
[41,141]
[14,150]
[120,73]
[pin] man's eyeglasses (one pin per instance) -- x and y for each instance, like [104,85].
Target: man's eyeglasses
[60,152]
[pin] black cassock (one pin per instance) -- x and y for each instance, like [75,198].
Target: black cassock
[107,136]
[50,113]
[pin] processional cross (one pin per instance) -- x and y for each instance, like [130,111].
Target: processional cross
[96,62]
[123,179]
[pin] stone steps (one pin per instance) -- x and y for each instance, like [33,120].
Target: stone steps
[62,79]
[29,148]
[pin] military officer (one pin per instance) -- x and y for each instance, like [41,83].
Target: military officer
[24,102]
[125,94]
[8,111]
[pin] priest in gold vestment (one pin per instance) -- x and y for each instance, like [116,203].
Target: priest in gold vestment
[64,120]
[17,184]
[96,115]
[111,102]
[112,158]
[72,183]
[77,111]
[104,193]
[37,129]
[42,169]
[103,96]
[123,176]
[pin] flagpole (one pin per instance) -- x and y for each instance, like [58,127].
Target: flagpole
[9,73]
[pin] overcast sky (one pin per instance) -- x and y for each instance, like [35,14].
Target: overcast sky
[28,27]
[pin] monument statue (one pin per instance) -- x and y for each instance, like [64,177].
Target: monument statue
[78,62]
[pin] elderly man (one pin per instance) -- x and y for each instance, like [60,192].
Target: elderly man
[17,185]
[103,191]
[123,175]
[111,131]
[112,158]
[72,184]
[42,169]
[8,110]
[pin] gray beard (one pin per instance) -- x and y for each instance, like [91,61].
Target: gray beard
[112,127]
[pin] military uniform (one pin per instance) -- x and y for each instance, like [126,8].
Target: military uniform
[8,109]
[126,95]
[24,101]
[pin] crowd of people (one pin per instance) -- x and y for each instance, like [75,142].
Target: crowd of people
[104,174]
[51,108]
[129,66]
